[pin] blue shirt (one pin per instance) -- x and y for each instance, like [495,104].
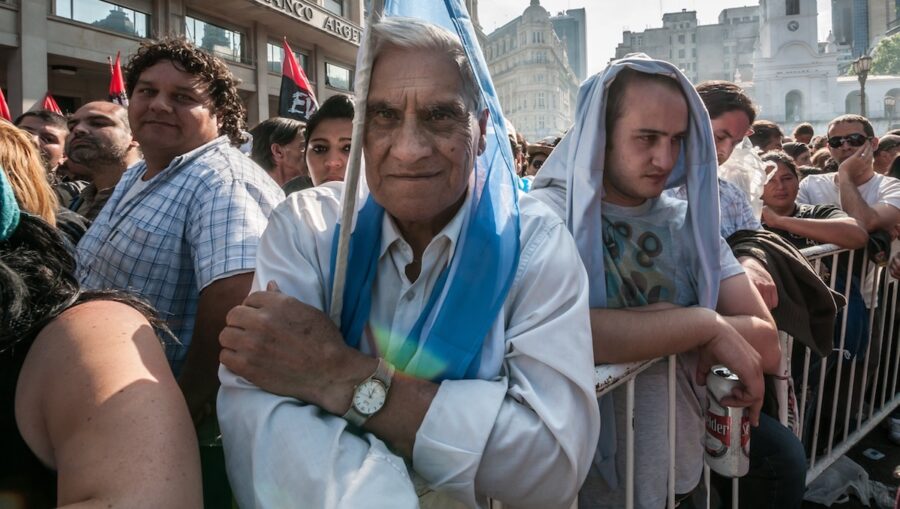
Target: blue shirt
[197,221]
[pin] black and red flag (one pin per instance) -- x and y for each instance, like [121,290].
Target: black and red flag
[50,104]
[116,83]
[296,99]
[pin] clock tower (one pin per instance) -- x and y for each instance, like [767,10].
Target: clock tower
[787,21]
[794,78]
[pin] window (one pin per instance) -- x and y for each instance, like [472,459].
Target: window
[335,6]
[793,106]
[693,37]
[681,38]
[222,42]
[727,50]
[541,101]
[337,77]
[694,52]
[105,15]
[792,7]
[681,53]
[275,56]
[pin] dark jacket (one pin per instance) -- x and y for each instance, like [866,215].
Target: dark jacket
[806,306]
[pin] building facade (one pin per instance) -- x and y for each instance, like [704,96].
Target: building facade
[718,51]
[571,28]
[531,74]
[858,25]
[62,46]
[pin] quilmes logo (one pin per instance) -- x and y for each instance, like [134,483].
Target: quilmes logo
[718,434]
[745,434]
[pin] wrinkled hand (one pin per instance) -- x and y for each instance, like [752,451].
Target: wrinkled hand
[762,280]
[286,347]
[857,164]
[728,347]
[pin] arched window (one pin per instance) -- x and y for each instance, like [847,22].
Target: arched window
[792,7]
[793,106]
[851,103]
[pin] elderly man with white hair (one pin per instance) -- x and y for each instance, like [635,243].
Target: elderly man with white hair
[461,369]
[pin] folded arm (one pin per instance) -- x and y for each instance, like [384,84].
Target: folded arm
[845,232]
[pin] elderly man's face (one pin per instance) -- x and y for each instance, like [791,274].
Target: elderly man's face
[421,137]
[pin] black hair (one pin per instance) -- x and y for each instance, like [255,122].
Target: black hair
[720,97]
[777,156]
[221,85]
[894,170]
[50,117]
[336,106]
[764,131]
[794,148]
[804,128]
[277,130]
[38,283]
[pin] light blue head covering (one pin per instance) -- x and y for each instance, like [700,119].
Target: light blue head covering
[576,165]
[9,209]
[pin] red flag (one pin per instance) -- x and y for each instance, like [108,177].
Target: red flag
[296,99]
[50,104]
[116,83]
[4,108]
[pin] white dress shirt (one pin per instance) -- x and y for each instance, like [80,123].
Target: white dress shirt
[523,433]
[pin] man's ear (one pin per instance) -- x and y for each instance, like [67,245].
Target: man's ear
[874,143]
[277,152]
[483,118]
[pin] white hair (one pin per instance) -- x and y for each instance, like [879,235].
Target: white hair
[411,33]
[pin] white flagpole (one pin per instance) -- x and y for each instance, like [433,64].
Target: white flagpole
[351,180]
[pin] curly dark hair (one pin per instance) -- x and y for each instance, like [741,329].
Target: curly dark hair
[221,85]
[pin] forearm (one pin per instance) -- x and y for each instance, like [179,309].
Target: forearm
[630,335]
[762,335]
[844,232]
[853,204]
[399,421]
[199,380]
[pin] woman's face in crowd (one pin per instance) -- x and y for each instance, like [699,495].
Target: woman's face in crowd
[327,151]
[782,188]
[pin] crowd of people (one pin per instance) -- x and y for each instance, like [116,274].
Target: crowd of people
[165,298]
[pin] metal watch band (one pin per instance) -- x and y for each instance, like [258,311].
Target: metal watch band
[383,373]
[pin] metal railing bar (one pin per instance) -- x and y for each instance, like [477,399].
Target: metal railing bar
[840,358]
[629,443]
[672,388]
[890,340]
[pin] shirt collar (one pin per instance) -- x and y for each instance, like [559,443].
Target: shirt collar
[391,234]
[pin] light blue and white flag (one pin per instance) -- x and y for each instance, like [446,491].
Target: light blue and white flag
[450,334]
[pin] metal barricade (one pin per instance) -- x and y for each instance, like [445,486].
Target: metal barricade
[869,378]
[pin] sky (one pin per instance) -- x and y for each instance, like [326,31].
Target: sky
[604,30]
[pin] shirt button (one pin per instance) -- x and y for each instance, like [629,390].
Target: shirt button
[409,296]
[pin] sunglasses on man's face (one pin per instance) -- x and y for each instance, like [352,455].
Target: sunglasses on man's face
[855,140]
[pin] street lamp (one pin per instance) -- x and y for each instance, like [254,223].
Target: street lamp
[861,67]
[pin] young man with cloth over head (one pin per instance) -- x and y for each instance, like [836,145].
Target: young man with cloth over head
[662,279]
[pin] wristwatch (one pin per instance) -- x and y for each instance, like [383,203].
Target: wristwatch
[370,395]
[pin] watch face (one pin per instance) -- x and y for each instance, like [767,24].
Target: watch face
[369,397]
[793,26]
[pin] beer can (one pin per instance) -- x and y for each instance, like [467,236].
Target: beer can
[727,440]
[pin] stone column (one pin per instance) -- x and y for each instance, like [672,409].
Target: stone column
[258,109]
[27,69]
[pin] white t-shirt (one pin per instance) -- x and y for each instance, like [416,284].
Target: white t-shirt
[823,190]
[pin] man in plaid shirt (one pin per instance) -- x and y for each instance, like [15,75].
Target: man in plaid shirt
[182,226]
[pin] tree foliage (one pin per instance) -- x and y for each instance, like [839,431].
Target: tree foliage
[886,57]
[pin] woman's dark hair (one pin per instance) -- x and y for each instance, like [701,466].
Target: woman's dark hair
[794,148]
[221,85]
[37,282]
[336,106]
[764,131]
[778,156]
[277,130]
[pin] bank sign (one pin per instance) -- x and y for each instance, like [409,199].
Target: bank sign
[315,16]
